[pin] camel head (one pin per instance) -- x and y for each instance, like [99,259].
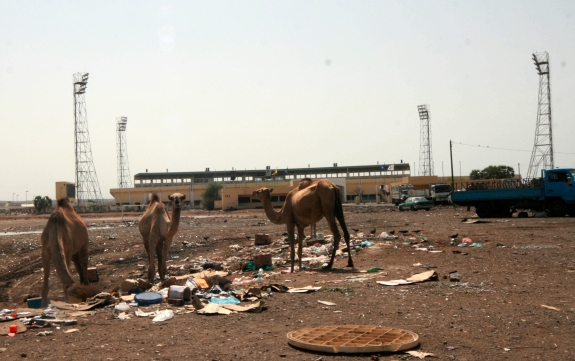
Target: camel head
[262,193]
[177,199]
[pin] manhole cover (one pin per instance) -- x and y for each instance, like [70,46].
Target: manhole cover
[353,339]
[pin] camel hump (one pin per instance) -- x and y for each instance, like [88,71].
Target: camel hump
[57,217]
[304,183]
[64,203]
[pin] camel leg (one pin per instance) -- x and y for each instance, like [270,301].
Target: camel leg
[339,215]
[80,260]
[152,266]
[163,268]
[45,286]
[291,238]
[300,238]
[336,238]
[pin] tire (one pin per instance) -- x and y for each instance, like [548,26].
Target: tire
[558,209]
[484,210]
[414,208]
[400,209]
[503,212]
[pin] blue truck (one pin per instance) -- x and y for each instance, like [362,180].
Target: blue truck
[553,193]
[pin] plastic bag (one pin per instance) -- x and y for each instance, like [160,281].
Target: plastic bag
[231,300]
[122,307]
[163,315]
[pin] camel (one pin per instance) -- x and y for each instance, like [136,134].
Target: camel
[305,205]
[65,239]
[157,229]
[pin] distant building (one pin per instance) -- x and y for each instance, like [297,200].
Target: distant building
[365,182]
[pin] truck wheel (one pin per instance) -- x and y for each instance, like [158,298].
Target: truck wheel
[483,210]
[503,212]
[414,208]
[557,209]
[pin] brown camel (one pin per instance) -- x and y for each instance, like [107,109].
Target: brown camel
[158,229]
[65,239]
[305,205]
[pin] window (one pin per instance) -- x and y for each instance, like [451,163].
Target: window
[558,177]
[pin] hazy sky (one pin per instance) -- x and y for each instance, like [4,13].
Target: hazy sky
[246,84]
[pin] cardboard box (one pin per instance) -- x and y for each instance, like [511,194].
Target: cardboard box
[262,239]
[262,260]
[93,275]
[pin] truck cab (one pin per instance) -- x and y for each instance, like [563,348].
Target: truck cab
[439,193]
[559,191]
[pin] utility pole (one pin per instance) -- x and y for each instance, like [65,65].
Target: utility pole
[451,157]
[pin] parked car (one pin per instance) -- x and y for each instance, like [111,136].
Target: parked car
[416,203]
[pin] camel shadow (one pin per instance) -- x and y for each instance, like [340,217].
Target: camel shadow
[346,270]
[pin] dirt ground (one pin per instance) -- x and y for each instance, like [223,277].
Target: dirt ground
[513,301]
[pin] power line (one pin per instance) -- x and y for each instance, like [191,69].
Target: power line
[489,147]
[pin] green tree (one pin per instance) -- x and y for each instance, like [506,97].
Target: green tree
[493,172]
[42,204]
[211,194]
[476,174]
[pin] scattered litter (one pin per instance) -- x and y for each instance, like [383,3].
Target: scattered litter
[231,300]
[551,308]
[477,245]
[122,307]
[419,277]
[44,333]
[467,240]
[467,220]
[72,330]
[326,303]
[163,315]
[212,308]
[420,354]
[140,313]
[305,289]
[454,276]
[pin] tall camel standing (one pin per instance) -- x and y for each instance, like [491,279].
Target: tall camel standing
[305,205]
[157,229]
[65,239]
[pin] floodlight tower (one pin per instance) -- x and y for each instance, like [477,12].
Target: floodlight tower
[542,154]
[124,180]
[87,186]
[425,163]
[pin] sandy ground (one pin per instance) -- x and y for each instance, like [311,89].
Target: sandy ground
[513,301]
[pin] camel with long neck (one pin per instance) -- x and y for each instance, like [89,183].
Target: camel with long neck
[157,229]
[305,205]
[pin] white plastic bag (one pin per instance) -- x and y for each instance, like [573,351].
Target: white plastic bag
[122,307]
[163,315]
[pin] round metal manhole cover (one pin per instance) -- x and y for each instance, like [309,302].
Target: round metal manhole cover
[353,339]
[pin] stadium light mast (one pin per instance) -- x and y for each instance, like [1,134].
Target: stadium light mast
[124,180]
[87,186]
[542,155]
[425,162]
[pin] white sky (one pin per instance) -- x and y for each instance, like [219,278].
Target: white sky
[246,84]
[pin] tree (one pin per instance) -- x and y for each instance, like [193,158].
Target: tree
[493,172]
[42,204]
[211,194]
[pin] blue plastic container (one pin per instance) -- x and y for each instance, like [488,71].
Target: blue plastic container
[148,298]
[34,302]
